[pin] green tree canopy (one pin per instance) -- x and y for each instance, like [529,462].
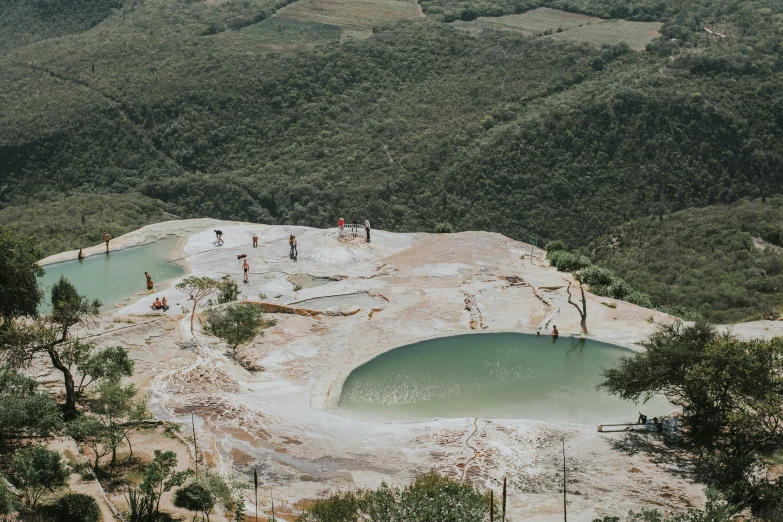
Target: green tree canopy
[19,273]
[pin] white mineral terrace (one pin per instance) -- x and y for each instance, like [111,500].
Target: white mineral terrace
[426,285]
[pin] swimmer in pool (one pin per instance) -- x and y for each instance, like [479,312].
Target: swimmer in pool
[81,254]
[554,333]
[150,283]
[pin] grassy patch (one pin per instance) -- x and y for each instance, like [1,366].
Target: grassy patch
[610,32]
[542,19]
[361,14]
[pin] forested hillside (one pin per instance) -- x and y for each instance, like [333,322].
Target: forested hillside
[255,110]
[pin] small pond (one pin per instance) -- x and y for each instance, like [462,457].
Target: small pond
[116,276]
[357,300]
[498,375]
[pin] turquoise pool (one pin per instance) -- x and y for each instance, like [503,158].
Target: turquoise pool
[117,276]
[492,375]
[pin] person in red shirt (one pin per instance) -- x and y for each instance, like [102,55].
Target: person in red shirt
[341,224]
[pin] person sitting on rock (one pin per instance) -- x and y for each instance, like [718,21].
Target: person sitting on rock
[157,305]
[164,305]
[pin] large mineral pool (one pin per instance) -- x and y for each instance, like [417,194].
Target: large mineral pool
[497,375]
[116,276]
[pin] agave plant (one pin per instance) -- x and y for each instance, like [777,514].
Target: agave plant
[140,505]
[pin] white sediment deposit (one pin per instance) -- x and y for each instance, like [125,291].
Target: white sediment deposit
[281,419]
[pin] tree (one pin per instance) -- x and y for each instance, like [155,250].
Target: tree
[161,475]
[38,470]
[236,324]
[111,363]
[582,311]
[89,431]
[197,288]
[24,410]
[21,340]
[19,271]
[206,491]
[118,412]
[729,391]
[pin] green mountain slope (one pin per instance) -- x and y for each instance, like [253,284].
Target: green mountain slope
[722,262]
[225,109]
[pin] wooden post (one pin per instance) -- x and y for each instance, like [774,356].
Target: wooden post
[195,445]
[255,487]
[504,500]
[565,502]
[491,506]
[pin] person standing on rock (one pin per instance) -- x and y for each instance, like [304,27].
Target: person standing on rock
[294,251]
[245,268]
[106,238]
[255,241]
[367,229]
[354,226]
[341,225]
[219,236]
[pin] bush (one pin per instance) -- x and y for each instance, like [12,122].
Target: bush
[38,470]
[227,290]
[237,323]
[8,503]
[567,262]
[556,245]
[444,228]
[639,298]
[75,507]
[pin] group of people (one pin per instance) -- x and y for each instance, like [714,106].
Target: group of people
[106,239]
[160,305]
[354,227]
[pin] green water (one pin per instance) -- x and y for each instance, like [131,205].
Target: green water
[500,375]
[117,276]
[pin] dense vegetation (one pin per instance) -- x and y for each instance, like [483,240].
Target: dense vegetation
[722,263]
[227,111]
[79,221]
[730,394]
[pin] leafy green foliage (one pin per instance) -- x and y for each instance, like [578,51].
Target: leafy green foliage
[722,263]
[111,364]
[117,409]
[430,497]
[198,288]
[161,475]
[729,391]
[444,228]
[228,290]
[24,410]
[19,292]
[8,503]
[206,491]
[236,324]
[38,470]
[566,261]
[76,507]
[78,221]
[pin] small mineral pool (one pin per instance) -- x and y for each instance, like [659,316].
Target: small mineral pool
[498,375]
[357,300]
[116,276]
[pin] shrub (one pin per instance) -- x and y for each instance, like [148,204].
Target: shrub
[38,470]
[556,245]
[227,290]
[8,503]
[444,228]
[567,262]
[237,323]
[75,507]
[639,298]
